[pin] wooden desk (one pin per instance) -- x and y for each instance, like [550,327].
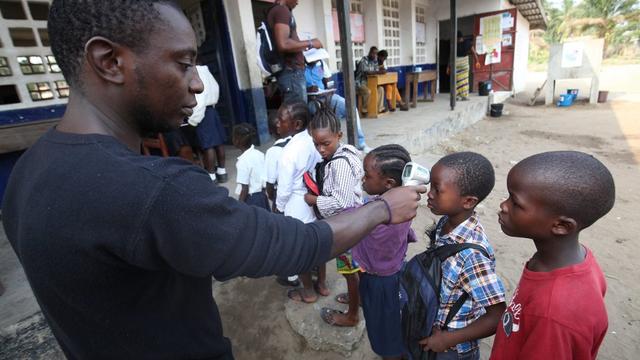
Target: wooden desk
[416,78]
[373,81]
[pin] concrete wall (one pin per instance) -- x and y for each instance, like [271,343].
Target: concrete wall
[521,54]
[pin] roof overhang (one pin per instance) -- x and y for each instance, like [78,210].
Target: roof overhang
[533,11]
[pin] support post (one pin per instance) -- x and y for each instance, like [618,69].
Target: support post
[344,23]
[453,54]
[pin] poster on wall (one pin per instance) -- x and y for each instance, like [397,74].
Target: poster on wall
[421,32]
[572,54]
[507,20]
[493,55]
[357,27]
[491,31]
[480,45]
[507,40]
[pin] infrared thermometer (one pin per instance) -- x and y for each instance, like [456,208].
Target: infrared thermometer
[415,174]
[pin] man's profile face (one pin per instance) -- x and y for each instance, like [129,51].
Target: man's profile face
[373,54]
[291,4]
[165,79]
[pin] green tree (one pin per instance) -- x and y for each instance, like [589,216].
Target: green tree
[617,21]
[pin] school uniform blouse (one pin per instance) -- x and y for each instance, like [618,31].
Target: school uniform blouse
[250,168]
[298,157]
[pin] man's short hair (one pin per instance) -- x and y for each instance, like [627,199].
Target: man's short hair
[373,48]
[73,22]
[475,173]
[573,183]
[383,53]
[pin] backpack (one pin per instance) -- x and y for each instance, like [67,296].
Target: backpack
[315,185]
[270,61]
[420,284]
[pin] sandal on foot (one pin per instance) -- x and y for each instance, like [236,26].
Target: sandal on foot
[296,295]
[342,298]
[328,316]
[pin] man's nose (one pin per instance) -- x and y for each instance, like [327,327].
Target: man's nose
[196,86]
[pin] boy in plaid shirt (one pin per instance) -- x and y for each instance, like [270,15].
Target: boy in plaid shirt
[459,182]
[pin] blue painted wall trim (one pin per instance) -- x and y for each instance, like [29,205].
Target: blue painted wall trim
[255,112]
[401,70]
[23,116]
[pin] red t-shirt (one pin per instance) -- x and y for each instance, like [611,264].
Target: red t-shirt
[555,315]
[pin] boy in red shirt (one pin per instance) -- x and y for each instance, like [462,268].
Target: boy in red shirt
[557,311]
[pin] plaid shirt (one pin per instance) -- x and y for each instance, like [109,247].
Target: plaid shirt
[468,271]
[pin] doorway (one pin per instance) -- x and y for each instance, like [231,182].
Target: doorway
[465,25]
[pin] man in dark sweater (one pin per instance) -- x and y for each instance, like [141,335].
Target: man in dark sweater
[120,248]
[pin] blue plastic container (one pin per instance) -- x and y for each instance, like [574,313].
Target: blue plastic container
[566,100]
[573,93]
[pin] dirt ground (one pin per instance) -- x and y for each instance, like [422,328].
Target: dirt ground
[252,310]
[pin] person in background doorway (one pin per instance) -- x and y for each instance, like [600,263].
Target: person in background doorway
[316,80]
[249,168]
[368,65]
[210,133]
[390,89]
[464,50]
[283,25]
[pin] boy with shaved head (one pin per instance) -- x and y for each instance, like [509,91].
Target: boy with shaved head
[557,311]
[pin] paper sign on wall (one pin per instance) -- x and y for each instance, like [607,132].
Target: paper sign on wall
[507,20]
[572,54]
[491,30]
[494,55]
[479,45]
[357,27]
[507,40]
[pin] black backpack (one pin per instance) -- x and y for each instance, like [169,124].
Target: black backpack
[420,284]
[320,170]
[270,61]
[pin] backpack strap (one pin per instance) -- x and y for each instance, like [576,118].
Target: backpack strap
[446,251]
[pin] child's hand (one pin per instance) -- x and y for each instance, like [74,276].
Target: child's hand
[310,199]
[438,341]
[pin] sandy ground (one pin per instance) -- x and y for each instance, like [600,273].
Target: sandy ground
[253,309]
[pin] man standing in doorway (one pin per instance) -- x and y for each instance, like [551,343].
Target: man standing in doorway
[368,65]
[291,81]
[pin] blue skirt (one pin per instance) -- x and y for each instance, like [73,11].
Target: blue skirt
[210,131]
[380,296]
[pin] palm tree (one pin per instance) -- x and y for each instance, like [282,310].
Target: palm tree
[607,19]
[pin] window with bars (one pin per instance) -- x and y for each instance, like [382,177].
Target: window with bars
[53,64]
[30,65]
[40,91]
[391,28]
[5,70]
[357,7]
[62,88]
[421,26]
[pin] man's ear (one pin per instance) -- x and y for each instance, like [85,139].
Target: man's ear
[563,226]
[298,125]
[339,135]
[104,58]
[469,202]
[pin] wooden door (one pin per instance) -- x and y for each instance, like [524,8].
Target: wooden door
[501,74]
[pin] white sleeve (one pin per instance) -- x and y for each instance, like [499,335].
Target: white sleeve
[271,165]
[286,170]
[243,172]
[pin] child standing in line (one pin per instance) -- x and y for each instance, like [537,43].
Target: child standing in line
[250,167]
[339,183]
[298,157]
[381,255]
[558,310]
[286,123]
[459,182]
